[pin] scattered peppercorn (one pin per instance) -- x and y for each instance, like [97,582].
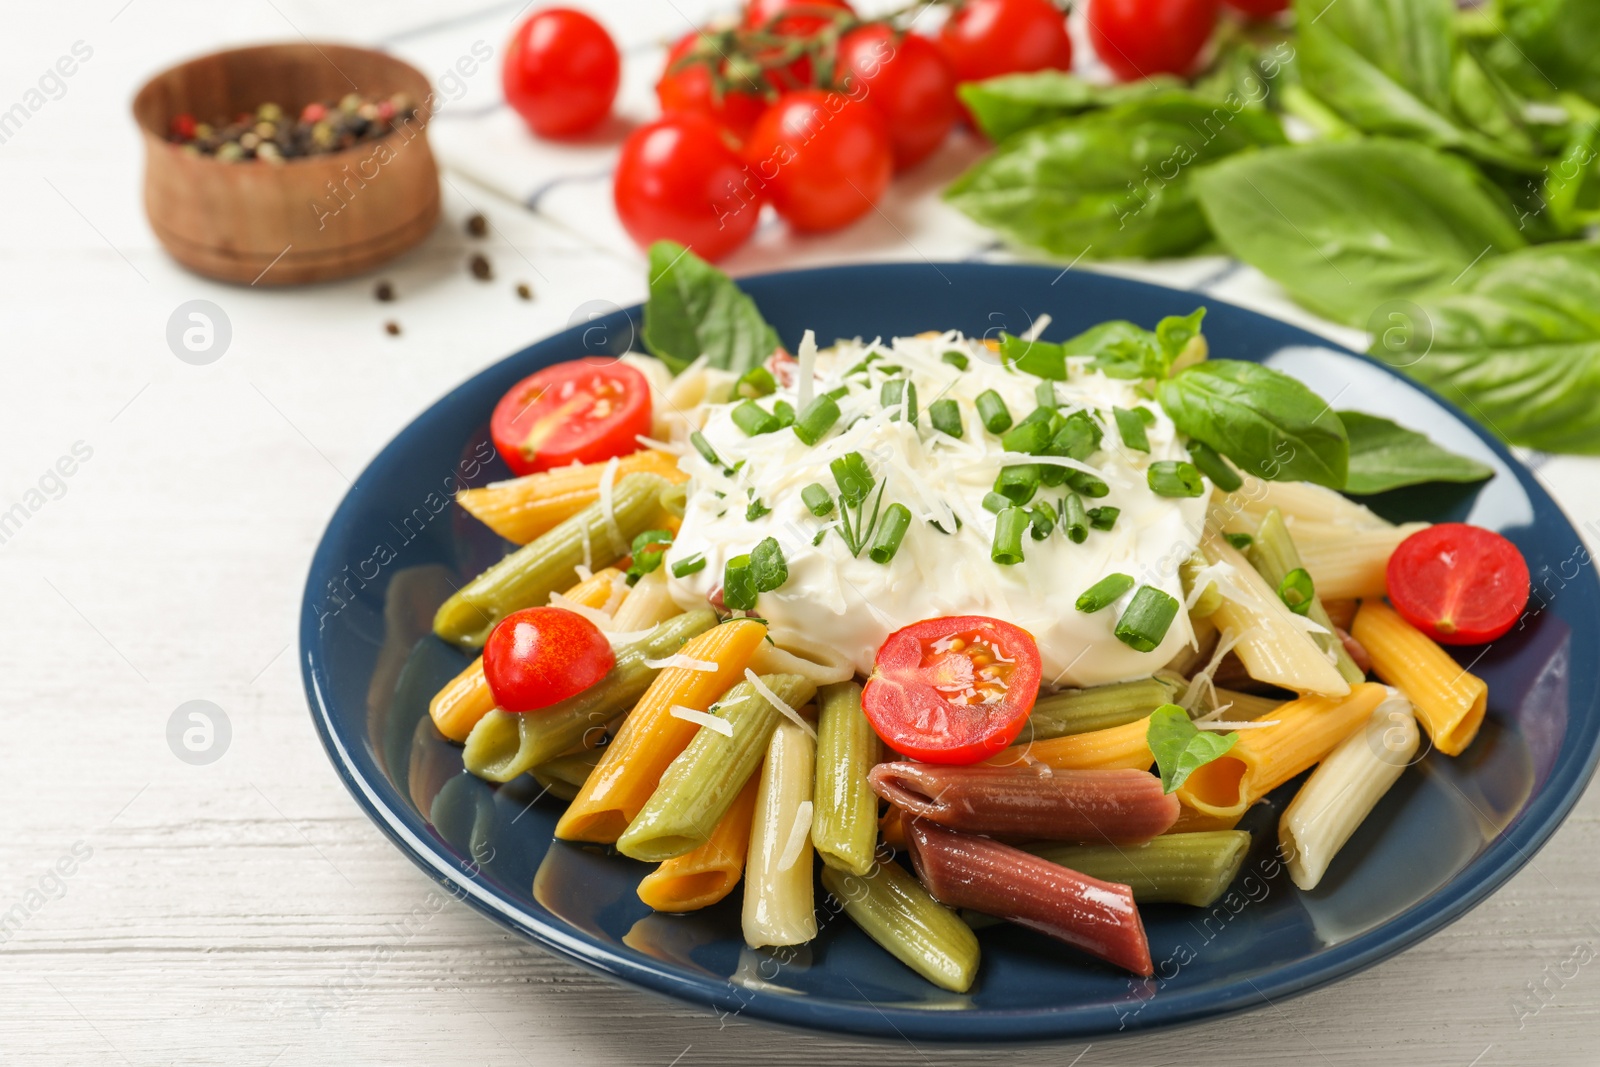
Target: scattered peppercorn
[523,291]
[269,134]
[478,226]
[384,292]
[392,328]
[479,265]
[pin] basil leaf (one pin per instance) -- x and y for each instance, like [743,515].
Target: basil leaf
[1014,102]
[694,309]
[1346,226]
[1118,348]
[1560,38]
[1384,456]
[1268,423]
[1180,747]
[1110,183]
[1516,344]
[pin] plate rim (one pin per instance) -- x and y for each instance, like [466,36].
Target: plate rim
[1502,858]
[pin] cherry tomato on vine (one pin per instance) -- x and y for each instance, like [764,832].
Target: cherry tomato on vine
[987,38]
[1260,9]
[1459,584]
[573,412]
[823,158]
[953,690]
[688,86]
[537,657]
[560,73]
[797,19]
[908,81]
[677,179]
[1138,38]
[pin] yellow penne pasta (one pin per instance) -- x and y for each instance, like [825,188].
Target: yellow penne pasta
[1350,564]
[1264,758]
[1300,502]
[466,698]
[700,878]
[1191,820]
[1245,705]
[1449,701]
[523,508]
[647,604]
[651,737]
[1118,747]
[1271,641]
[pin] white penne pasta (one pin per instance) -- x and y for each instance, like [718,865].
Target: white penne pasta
[1351,564]
[1272,642]
[1342,792]
[1299,502]
[816,663]
[778,905]
[647,604]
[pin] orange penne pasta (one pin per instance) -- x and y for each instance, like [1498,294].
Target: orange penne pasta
[1448,700]
[466,698]
[523,508]
[651,737]
[1191,820]
[700,878]
[1304,731]
[1119,747]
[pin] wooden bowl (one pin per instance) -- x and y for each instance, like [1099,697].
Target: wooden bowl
[310,218]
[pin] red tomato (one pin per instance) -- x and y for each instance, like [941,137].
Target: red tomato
[953,690]
[678,179]
[793,18]
[1138,38]
[571,413]
[908,81]
[1459,584]
[1260,9]
[987,38]
[541,656]
[691,88]
[822,158]
[561,72]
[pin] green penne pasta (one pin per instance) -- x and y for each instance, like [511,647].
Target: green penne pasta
[1080,711]
[844,820]
[701,783]
[893,909]
[1192,868]
[1273,555]
[502,745]
[549,563]
[563,776]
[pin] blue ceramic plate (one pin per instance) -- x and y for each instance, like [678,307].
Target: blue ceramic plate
[1448,834]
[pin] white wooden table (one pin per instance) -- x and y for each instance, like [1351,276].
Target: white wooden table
[245,911]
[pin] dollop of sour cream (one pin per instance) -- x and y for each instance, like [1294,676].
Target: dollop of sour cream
[851,603]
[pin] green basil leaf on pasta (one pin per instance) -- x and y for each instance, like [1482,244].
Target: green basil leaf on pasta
[1385,455]
[1180,747]
[694,309]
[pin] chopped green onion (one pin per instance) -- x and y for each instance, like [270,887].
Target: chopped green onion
[817,540]
[1241,541]
[783,411]
[816,419]
[1043,519]
[942,530]
[1213,466]
[855,481]
[1131,427]
[739,584]
[835,394]
[816,498]
[650,537]
[647,550]
[958,360]
[757,381]
[1088,484]
[1296,591]
[1103,518]
[1074,519]
[1077,438]
[689,565]
[1030,437]
[754,419]
[768,568]
[891,531]
[702,446]
[995,502]
[862,367]
[1104,593]
[992,412]
[1144,625]
[1171,477]
[1009,526]
[1018,483]
[900,391]
[946,417]
[756,510]
[1045,393]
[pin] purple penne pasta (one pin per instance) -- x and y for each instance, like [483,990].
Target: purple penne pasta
[965,871]
[1116,806]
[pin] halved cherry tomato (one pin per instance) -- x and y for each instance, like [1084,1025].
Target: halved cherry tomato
[953,690]
[571,413]
[1138,38]
[688,86]
[541,656]
[987,38]
[908,80]
[822,158]
[561,72]
[1459,584]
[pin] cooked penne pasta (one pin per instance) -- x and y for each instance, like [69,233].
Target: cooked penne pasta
[1246,705]
[1274,556]
[523,508]
[817,664]
[1300,502]
[1272,643]
[1192,821]
[1353,563]
[1263,759]
[844,815]
[563,776]
[1186,868]
[1344,789]
[893,909]
[1449,701]
[652,737]
[1080,711]
[705,875]
[648,603]
[778,907]
[1119,746]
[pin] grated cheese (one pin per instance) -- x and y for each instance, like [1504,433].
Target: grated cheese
[608,481]
[807,369]
[772,698]
[702,718]
[799,835]
[678,659]
[594,615]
